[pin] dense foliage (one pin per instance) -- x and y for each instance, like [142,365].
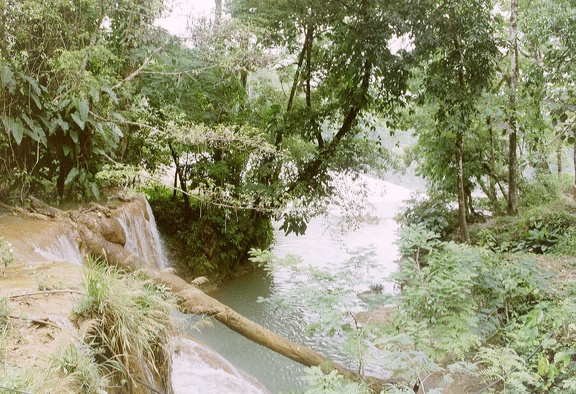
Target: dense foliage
[255,114]
[261,109]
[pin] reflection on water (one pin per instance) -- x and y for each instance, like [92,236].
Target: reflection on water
[368,253]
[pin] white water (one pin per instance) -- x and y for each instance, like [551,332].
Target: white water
[62,248]
[196,369]
[142,237]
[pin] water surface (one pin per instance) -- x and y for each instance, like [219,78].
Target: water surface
[368,252]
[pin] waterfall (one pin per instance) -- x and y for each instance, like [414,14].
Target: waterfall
[61,248]
[142,237]
[41,240]
[196,368]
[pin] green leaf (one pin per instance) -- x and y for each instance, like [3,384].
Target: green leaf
[7,78]
[83,108]
[14,128]
[63,125]
[94,94]
[66,149]
[111,94]
[95,191]
[62,104]
[71,175]
[36,100]
[118,116]
[562,357]
[78,119]
[49,124]
[36,132]
[543,366]
[33,83]
[74,135]
[116,130]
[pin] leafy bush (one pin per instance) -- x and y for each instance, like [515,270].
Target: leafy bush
[536,229]
[216,241]
[415,240]
[565,243]
[463,294]
[539,228]
[319,382]
[543,189]
[434,213]
[440,295]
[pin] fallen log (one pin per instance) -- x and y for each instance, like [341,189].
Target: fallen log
[194,301]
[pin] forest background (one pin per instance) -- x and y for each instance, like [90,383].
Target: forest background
[262,105]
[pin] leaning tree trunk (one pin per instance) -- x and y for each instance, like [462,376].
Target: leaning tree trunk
[193,300]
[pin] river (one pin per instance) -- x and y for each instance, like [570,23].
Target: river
[355,259]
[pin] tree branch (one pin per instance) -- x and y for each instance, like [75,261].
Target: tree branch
[139,70]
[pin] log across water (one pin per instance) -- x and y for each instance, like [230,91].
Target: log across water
[195,301]
[100,233]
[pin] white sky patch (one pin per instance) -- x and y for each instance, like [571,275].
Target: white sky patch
[180,11]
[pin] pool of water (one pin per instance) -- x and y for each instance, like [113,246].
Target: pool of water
[359,258]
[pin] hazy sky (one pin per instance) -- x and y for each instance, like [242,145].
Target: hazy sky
[182,9]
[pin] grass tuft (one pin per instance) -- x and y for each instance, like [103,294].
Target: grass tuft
[125,319]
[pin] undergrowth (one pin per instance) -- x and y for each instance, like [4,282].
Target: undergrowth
[125,321]
[501,311]
[213,241]
[121,344]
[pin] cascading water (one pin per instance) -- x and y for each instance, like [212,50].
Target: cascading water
[62,248]
[142,237]
[197,369]
[42,240]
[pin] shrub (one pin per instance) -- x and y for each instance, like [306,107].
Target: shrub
[214,241]
[537,229]
[544,189]
[125,319]
[434,213]
[565,243]
[463,294]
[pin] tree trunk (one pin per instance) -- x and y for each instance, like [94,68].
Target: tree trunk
[462,222]
[218,13]
[308,38]
[574,161]
[492,161]
[559,157]
[193,300]
[512,121]
[182,182]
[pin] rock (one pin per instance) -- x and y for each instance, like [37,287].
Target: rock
[112,231]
